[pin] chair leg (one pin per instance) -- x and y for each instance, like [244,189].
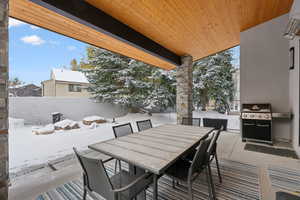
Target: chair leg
[84,186]
[173,183]
[190,190]
[218,168]
[120,166]
[116,166]
[212,183]
[208,184]
[84,193]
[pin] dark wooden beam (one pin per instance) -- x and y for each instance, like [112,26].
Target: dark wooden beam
[84,13]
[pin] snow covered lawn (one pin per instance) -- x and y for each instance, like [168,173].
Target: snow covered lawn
[27,149]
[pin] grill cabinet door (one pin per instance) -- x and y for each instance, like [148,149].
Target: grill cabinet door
[249,128]
[264,129]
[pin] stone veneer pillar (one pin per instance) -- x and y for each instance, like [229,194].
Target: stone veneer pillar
[4,177]
[184,77]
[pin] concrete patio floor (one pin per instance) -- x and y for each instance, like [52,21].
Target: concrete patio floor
[230,147]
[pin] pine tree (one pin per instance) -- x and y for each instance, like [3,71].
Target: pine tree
[107,84]
[213,81]
[163,93]
[120,80]
[136,83]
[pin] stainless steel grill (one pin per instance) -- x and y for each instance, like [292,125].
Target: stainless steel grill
[256,122]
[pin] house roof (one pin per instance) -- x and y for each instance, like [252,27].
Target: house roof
[68,76]
[195,27]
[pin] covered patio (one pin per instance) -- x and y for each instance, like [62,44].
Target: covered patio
[171,35]
[250,170]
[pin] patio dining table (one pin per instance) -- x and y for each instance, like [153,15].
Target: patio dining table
[155,149]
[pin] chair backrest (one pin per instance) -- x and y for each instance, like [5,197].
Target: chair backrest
[144,125]
[215,123]
[211,150]
[122,130]
[200,157]
[95,176]
[191,121]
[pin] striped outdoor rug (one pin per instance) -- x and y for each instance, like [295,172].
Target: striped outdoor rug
[240,182]
[285,179]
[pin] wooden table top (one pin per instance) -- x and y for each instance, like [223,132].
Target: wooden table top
[154,149]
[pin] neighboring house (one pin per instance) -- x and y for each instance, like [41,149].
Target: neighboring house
[235,105]
[29,90]
[66,83]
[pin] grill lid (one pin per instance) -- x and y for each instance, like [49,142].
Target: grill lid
[258,111]
[257,108]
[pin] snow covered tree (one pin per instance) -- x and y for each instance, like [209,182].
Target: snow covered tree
[104,76]
[163,89]
[121,80]
[213,80]
[136,85]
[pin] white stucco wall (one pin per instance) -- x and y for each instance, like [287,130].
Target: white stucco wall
[264,70]
[294,86]
[37,110]
[294,95]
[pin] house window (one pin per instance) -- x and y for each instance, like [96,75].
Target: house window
[86,88]
[74,88]
[89,89]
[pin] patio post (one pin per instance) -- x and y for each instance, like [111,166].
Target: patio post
[184,77]
[4,177]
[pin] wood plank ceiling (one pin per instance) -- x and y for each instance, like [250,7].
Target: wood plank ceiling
[196,27]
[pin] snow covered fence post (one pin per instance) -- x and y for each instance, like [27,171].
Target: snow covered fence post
[184,77]
[4,177]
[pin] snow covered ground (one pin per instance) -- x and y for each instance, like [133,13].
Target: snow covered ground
[27,149]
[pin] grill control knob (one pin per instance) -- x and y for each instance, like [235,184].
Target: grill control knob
[259,116]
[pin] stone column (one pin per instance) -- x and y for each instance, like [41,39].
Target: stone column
[4,177]
[184,76]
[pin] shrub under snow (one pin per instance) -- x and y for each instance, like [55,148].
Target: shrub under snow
[91,122]
[93,119]
[49,129]
[66,124]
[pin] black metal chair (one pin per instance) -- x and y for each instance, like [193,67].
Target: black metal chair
[191,121]
[213,155]
[144,125]
[215,123]
[120,131]
[209,156]
[186,171]
[120,186]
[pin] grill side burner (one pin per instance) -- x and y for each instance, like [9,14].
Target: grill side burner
[256,120]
